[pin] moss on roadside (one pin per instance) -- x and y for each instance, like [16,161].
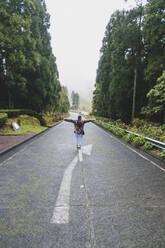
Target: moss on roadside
[27,123]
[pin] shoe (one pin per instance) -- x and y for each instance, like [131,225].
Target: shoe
[78,146]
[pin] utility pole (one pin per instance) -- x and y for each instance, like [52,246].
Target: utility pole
[134,93]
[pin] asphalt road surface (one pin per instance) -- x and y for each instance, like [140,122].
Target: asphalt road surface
[105,196]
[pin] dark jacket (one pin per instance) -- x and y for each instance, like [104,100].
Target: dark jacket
[78,125]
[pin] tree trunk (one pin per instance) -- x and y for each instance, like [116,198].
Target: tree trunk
[134,94]
[10,101]
[163,113]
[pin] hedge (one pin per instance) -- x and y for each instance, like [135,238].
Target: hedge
[16,112]
[3,119]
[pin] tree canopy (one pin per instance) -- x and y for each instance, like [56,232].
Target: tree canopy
[28,71]
[131,59]
[75,100]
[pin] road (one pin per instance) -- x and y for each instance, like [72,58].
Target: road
[107,197]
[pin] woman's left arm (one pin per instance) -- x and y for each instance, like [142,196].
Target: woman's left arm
[86,121]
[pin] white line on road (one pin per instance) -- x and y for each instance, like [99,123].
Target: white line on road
[61,210]
[146,159]
[80,155]
[156,165]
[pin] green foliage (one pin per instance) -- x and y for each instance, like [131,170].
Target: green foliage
[137,122]
[28,124]
[162,154]
[16,112]
[148,146]
[129,137]
[133,41]
[75,100]
[117,131]
[162,138]
[51,118]
[162,127]
[120,53]
[3,119]
[26,120]
[156,99]
[139,141]
[29,75]
[64,104]
[154,32]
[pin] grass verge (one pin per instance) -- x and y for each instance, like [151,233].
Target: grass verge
[27,123]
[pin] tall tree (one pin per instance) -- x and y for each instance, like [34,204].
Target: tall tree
[29,76]
[155,108]
[122,55]
[64,104]
[75,100]
[154,38]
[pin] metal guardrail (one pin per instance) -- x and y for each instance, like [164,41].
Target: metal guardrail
[155,143]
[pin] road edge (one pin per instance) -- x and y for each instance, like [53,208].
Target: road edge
[130,145]
[28,139]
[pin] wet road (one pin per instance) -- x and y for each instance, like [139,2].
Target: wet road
[51,196]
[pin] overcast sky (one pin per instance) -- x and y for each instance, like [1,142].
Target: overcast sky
[77,30]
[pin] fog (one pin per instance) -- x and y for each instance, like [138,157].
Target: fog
[77,30]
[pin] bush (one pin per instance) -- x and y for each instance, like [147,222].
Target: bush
[120,132]
[137,122]
[162,127]
[50,118]
[129,137]
[162,154]
[162,138]
[148,146]
[139,141]
[16,112]
[3,119]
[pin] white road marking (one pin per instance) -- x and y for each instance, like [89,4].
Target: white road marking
[137,153]
[80,155]
[157,166]
[147,159]
[61,210]
[87,149]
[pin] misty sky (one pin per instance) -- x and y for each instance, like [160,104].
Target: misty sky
[77,30]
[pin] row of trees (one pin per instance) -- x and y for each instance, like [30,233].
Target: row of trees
[28,71]
[131,61]
[75,99]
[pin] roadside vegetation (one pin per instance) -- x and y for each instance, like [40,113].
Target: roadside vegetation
[146,129]
[130,80]
[30,91]
[33,123]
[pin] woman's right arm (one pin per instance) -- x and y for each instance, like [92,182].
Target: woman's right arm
[69,120]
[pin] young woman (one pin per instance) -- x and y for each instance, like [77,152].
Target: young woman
[78,129]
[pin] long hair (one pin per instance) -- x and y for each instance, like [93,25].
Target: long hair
[79,121]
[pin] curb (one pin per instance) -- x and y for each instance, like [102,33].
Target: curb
[28,139]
